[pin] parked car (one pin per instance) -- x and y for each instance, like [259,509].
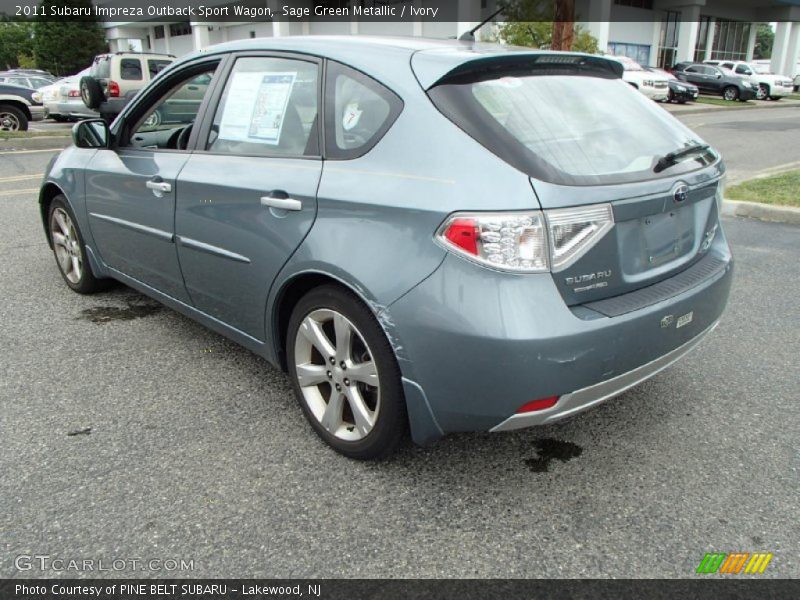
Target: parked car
[114,79]
[653,85]
[770,86]
[24,80]
[766,64]
[714,80]
[679,91]
[18,106]
[498,239]
[37,72]
[62,99]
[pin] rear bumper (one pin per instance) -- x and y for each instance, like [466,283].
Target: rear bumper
[37,112]
[584,399]
[747,94]
[70,109]
[685,95]
[480,344]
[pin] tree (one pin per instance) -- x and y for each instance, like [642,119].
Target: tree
[765,38]
[65,46]
[15,42]
[531,23]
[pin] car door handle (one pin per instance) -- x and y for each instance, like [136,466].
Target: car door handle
[159,187]
[285,203]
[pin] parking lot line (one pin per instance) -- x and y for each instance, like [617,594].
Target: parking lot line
[12,192]
[31,151]
[20,177]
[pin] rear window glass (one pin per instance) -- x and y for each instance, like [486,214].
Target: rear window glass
[130,69]
[567,129]
[101,69]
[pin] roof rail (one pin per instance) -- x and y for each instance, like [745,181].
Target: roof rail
[150,53]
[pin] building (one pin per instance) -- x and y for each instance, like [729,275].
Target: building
[652,32]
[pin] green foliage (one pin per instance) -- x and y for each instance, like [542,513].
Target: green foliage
[530,23]
[64,47]
[15,42]
[765,38]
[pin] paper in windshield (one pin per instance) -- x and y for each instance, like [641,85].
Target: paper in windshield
[255,108]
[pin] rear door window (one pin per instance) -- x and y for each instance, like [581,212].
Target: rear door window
[359,112]
[130,69]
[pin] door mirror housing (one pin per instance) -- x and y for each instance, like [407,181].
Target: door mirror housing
[719,75]
[92,133]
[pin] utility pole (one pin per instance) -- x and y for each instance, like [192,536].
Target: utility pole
[563,25]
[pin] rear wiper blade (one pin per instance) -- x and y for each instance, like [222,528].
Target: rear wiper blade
[673,158]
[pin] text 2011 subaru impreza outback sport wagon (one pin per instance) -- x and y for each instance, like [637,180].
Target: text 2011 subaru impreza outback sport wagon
[439,236]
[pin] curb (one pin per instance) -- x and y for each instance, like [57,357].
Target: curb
[763,212]
[43,142]
[715,108]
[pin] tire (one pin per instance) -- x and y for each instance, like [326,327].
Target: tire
[70,248]
[763,92]
[153,121]
[12,118]
[383,422]
[681,101]
[59,118]
[91,92]
[730,93]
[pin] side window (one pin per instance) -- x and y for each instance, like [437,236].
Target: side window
[359,112]
[268,107]
[692,70]
[155,66]
[167,122]
[727,65]
[130,69]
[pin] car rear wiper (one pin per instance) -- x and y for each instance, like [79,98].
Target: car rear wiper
[673,158]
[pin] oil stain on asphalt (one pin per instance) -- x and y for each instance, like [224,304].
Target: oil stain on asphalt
[133,310]
[549,449]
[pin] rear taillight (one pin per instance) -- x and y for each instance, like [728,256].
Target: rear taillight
[573,232]
[113,89]
[74,94]
[527,242]
[508,241]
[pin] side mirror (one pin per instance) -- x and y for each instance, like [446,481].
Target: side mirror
[719,75]
[92,133]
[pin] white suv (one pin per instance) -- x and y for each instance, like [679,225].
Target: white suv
[770,86]
[114,78]
[653,85]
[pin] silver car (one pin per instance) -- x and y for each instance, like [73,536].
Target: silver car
[428,236]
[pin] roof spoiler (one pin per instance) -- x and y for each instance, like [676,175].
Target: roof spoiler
[433,68]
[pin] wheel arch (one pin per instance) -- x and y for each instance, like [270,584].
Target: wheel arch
[46,195]
[18,104]
[287,297]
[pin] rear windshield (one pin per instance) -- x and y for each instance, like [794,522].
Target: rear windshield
[567,129]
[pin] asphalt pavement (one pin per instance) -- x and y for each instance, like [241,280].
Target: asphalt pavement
[131,433]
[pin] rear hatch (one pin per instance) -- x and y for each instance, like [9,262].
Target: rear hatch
[624,209]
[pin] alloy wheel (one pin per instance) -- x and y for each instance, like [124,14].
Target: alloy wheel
[66,245]
[730,93]
[8,121]
[337,375]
